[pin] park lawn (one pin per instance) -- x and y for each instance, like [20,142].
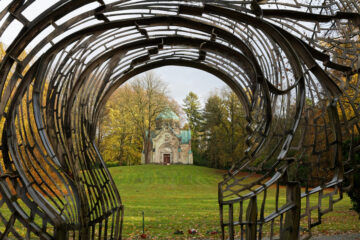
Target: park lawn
[172,197]
[182,197]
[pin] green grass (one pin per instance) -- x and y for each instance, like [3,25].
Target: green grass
[172,197]
[183,197]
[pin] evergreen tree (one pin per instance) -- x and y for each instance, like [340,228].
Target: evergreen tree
[224,129]
[192,109]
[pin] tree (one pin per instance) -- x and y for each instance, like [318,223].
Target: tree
[213,133]
[120,140]
[192,109]
[130,115]
[224,129]
[149,101]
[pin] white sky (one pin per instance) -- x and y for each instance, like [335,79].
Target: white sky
[182,80]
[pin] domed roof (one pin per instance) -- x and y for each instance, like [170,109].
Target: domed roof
[168,114]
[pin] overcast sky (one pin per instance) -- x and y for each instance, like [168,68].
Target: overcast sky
[182,80]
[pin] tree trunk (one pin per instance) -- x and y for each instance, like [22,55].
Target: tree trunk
[121,150]
[232,109]
[147,147]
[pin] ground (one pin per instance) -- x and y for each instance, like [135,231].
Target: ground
[183,197]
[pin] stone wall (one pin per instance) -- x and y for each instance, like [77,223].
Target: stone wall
[166,142]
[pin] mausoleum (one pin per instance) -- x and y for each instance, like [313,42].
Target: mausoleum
[170,144]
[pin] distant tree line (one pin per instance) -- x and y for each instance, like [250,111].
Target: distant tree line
[218,129]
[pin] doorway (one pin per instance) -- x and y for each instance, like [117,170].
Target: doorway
[166,159]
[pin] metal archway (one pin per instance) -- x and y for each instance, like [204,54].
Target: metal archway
[293,64]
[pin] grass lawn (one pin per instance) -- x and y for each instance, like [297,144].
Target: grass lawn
[183,197]
[172,198]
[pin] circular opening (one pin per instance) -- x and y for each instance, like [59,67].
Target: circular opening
[190,147]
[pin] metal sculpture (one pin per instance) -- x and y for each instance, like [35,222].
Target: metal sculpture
[293,64]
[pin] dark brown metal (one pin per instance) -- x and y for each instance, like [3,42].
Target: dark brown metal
[294,66]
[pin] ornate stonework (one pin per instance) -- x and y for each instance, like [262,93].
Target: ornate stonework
[170,144]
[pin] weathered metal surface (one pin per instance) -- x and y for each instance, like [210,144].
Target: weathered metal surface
[293,64]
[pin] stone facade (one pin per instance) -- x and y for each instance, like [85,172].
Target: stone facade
[170,145]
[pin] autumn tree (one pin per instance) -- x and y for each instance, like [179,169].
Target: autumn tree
[130,115]
[149,100]
[120,140]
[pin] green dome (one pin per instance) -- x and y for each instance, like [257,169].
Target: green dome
[167,114]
